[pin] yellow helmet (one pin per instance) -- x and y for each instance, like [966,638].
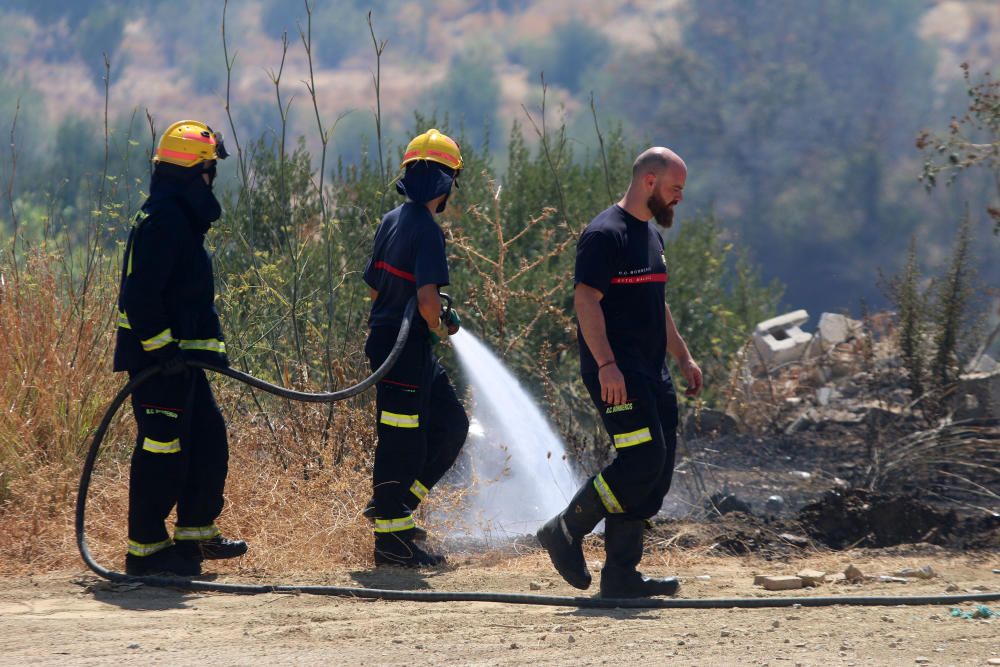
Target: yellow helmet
[187,143]
[434,146]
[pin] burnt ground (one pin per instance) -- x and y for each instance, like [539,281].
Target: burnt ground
[789,494]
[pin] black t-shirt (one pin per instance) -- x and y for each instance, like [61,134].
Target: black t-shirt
[622,257]
[408,253]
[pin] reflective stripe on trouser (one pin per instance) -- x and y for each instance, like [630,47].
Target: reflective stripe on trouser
[398,420]
[421,424]
[608,498]
[632,438]
[196,532]
[176,409]
[139,549]
[395,525]
[157,447]
[644,434]
[418,490]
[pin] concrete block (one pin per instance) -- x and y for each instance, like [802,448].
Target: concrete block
[781,583]
[796,318]
[780,340]
[984,364]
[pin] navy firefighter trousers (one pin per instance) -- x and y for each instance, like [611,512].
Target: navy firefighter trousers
[643,431]
[181,458]
[421,427]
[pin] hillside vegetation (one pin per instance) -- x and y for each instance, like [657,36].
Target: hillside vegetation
[798,119]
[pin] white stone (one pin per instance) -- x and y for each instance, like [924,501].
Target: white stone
[834,328]
[977,395]
[824,394]
[926,572]
[811,577]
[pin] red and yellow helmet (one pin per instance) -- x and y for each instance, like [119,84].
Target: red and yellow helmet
[187,143]
[434,146]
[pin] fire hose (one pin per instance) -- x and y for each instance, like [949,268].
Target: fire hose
[427,596]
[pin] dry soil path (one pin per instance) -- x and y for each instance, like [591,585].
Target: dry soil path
[75,618]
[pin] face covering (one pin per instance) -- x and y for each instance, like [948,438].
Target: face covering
[187,186]
[425,180]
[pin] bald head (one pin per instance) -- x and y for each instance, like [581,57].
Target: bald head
[656,160]
[658,177]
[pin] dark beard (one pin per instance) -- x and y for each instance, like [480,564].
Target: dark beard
[662,212]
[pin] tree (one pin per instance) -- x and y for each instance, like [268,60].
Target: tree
[972,141]
[571,51]
[469,95]
[792,115]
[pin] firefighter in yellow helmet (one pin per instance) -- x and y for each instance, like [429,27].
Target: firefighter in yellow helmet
[421,424]
[166,315]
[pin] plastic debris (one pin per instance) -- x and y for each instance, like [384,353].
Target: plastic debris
[979,611]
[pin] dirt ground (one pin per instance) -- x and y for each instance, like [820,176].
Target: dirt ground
[76,618]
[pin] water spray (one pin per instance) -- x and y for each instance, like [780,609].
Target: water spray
[520,473]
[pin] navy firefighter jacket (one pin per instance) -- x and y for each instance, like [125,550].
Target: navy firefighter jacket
[408,253]
[167,289]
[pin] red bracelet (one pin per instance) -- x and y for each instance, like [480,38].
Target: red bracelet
[606,363]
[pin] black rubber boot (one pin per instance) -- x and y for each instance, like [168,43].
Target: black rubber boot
[419,534]
[562,535]
[215,548]
[623,546]
[399,549]
[169,561]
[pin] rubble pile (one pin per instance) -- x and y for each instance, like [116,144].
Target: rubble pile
[820,442]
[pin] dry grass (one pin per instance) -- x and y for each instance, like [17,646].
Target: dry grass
[297,482]
[55,343]
[299,511]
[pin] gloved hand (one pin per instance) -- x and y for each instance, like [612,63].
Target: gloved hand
[439,334]
[170,358]
[452,321]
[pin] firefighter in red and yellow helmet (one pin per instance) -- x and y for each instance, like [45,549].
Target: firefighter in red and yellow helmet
[166,315]
[421,424]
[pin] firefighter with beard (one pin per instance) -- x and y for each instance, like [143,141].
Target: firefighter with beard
[625,330]
[166,315]
[421,424]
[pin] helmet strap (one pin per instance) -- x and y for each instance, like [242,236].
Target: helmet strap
[210,169]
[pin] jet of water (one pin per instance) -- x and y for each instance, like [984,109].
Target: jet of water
[514,463]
